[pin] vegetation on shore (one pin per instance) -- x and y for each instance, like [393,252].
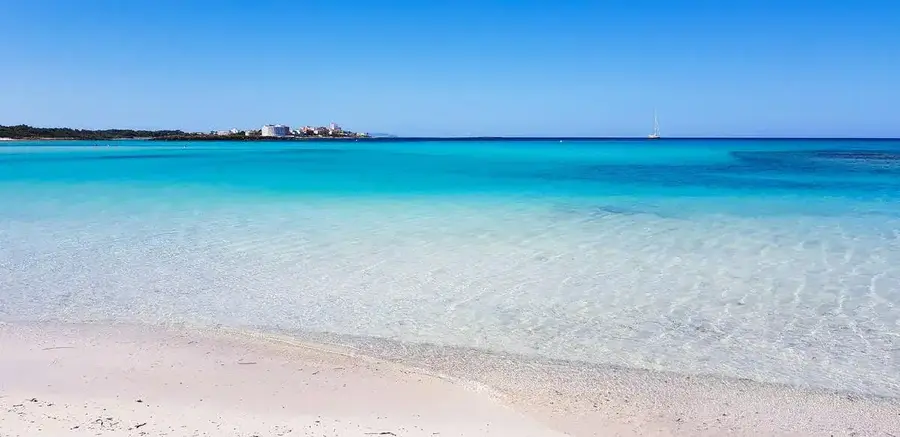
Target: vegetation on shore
[25,132]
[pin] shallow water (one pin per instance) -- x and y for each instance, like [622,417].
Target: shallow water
[777,261]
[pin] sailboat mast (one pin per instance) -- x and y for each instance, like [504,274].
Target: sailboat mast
[655,123]
[655,133]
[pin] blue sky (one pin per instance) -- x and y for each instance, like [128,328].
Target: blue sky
[463,67]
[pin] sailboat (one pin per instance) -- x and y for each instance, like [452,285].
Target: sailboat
[655,134]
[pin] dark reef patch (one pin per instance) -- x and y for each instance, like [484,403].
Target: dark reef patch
[858,155]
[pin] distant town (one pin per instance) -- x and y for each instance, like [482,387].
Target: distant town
[282,131]
[266,132]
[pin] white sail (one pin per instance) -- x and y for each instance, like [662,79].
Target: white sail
[655,133]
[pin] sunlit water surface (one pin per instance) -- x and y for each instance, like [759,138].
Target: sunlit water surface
[777,261]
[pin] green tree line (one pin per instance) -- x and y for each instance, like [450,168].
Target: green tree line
[23,131]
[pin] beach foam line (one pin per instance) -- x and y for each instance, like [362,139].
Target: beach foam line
[352,352]
[580,398]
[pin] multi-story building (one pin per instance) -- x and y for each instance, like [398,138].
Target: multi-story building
[282,131]
[275,130]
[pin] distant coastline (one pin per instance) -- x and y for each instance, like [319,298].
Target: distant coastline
[26,132]
[253,138]
[29,133]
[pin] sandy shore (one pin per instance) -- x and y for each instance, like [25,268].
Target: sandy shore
[127,380]
[131,381]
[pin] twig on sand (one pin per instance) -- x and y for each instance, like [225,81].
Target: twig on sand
[246,362]
[58,347]
[380,433]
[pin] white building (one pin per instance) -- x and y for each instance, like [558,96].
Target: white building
[231,131]
[275,130]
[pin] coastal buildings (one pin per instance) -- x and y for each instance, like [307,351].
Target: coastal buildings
[333,130]
[315,131]
[275,130]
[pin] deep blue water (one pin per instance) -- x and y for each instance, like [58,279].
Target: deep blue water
[859,168]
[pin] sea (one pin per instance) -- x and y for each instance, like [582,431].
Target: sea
[776,261]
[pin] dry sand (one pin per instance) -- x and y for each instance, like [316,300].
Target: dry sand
[141,381]
[87,380]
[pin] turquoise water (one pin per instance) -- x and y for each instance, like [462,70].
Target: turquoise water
[777,261]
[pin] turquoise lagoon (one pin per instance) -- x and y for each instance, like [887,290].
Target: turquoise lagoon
[777,261]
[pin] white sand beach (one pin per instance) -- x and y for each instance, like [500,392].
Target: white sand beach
[131,381]
[137,381]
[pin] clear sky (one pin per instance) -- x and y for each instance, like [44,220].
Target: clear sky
[457,67]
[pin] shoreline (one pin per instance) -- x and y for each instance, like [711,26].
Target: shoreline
[570,398]
[140,380]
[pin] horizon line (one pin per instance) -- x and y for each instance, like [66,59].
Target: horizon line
[583,138]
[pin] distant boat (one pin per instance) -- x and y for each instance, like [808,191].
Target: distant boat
[655,134]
